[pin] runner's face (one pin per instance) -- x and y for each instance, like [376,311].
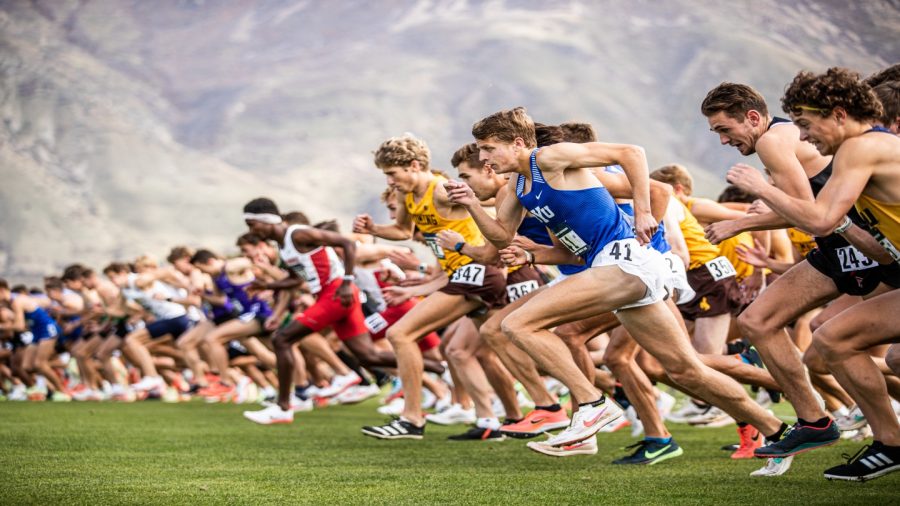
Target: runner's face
[261,229]
[736,133]
[119,279]
[501,156]
[391,205]
[818,130]
[479,179]
[248,250]
[401,178]
[183,265]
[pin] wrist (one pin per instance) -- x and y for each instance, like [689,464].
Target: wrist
[529,257]
[459,246]
[348,278]
[844,226]
[422,268]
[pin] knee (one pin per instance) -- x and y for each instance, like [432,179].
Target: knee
[752,325]
[830,347]
[281,342]
[493,335]
[615,361]
[686,376]
[813,361]
[513,327]
[457,354]
[398,336]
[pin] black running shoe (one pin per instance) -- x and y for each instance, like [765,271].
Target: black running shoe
[870,462]
[799,439]
[478,434]
[730,448]
[397,429]
[651,452]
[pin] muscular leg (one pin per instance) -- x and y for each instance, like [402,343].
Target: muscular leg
[461,353]
[104,355]
[892,359]
[216,340]
[316,345]
[45,350]
[577,334]
[499,379]
[135,346]
[710,334]
[822,378]
[799,290]
[619,358]
[362,348]
[844,342]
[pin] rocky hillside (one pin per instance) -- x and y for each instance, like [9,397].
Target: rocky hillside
[130,126]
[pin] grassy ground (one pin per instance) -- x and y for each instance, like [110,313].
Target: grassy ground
[152,453]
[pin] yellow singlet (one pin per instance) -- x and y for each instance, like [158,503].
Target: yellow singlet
[802,241]
[429,222]
[699,248]
[727,249]
[884,220]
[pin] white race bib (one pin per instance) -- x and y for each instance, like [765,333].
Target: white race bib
[469,274]
[431,241]
[376,323]
[518,290]
[572,241]
[851,259]
[720,268]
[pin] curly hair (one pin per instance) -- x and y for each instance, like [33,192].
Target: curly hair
[506,126]
[837,87]
[888,94]
[674,174]
[891,73]
[401,152]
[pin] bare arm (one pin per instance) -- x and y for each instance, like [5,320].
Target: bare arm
[619,187]
[866,243]
[400,230]
[499,231]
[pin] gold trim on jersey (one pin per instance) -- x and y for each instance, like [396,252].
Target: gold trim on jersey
[884,220]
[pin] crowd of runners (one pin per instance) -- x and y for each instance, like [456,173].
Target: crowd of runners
[566,284]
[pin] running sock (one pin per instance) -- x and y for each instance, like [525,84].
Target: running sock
[353,364]
[553,407]
[660,440]
[821,423]
[595,403]
[300,391]
[488,423]
[777,436]
[620,397]
[742,424]
[511,421]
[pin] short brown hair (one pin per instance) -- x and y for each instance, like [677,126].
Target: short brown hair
[736,100]
[179,252]
[401,152]
[506,126]
[115,268]
[888,94]
[732,193]
[295,218]
[578,132]
[674,174]
[467,154]
[837,87]
[547,135]
[249,238]
[891,73]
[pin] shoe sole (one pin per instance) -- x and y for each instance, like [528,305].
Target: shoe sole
[662,458]
[593,430]
[551,453]
[539,430]
[275,422]
[796,452]
[380,436]
[867,477]
[488,440]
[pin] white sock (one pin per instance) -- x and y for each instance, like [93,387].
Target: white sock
[841,411]
[488,423]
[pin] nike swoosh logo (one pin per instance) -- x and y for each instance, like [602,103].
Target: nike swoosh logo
[574,446]
[537,421]
[539,194]
[653,455]
[590,423]
[756,437]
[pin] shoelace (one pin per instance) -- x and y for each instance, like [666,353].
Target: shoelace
[856,455]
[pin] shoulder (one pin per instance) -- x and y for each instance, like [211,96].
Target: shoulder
[864,149]
[777,139]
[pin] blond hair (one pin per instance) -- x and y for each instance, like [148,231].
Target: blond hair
[674,174]
[402,151]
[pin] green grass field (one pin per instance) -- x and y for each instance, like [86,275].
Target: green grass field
[193,453]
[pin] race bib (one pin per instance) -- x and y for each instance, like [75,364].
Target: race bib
[518,290]
[851,259]
[572,241]
[431,241]
[720,268]
[26,338]
[469,274]
[376,323]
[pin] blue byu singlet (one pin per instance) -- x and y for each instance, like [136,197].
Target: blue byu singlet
[584,220]
[533,229]
[658,241]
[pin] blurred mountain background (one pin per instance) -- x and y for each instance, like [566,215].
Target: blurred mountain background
[132,126]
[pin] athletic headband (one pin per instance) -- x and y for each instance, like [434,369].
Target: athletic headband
[811,108]
[271,219]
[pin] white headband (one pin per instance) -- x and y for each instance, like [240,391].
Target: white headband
[271,219]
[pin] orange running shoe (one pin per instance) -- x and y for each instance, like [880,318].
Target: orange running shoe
[751,439]
[537,422]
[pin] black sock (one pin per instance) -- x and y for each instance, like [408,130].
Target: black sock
[552,407]
[821,423]
[620,397]
[742,424]
[300,391]
[777,436]
[595,403]
[353,364]
[511,421]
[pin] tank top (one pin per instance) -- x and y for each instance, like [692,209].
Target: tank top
[317,268]
[802,241]
[658,241]
[429,222]
[699,248]
[882,218]
[583,220]
[238,297]
[533,229]
[728,249]
[160,308]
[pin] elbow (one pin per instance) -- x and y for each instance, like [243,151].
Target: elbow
[822,227]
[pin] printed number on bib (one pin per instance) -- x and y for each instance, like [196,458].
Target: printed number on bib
[720,268]
[621,251]
[671,264]
[519,290]
[852,259]
[431,241]
[572,241]
[469,274]
[376,323]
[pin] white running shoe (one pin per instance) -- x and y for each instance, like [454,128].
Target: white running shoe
[774,467]
[393,408]
[297,405]
[340,383]
[637,427]
[86,395]
[428,399]
[443,403]
[555,387]
[854,420]
[60,397]
[664,404]
[244,391]
[688,410]
[453,415]
[149,383]
[586,447]
[357,394]
[586,422]
[763,398]
[170,395]
[18,393]
[271,415]
[714,417]
[524,401]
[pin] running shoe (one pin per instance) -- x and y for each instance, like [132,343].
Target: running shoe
[397,429]
[297,404]
[621,423]
[854,420]
[478,434]
[357,394]
[637,427]
[587,421]
[690,409]
[149,383]
[60,397]
[340,383]
[870,462]
[799,439]
[664,404]
[586,447]
[537,422]
[454,415]
[774,467]
[651,452]
[712,418]
[394,408]
[270,415]
[751,439]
